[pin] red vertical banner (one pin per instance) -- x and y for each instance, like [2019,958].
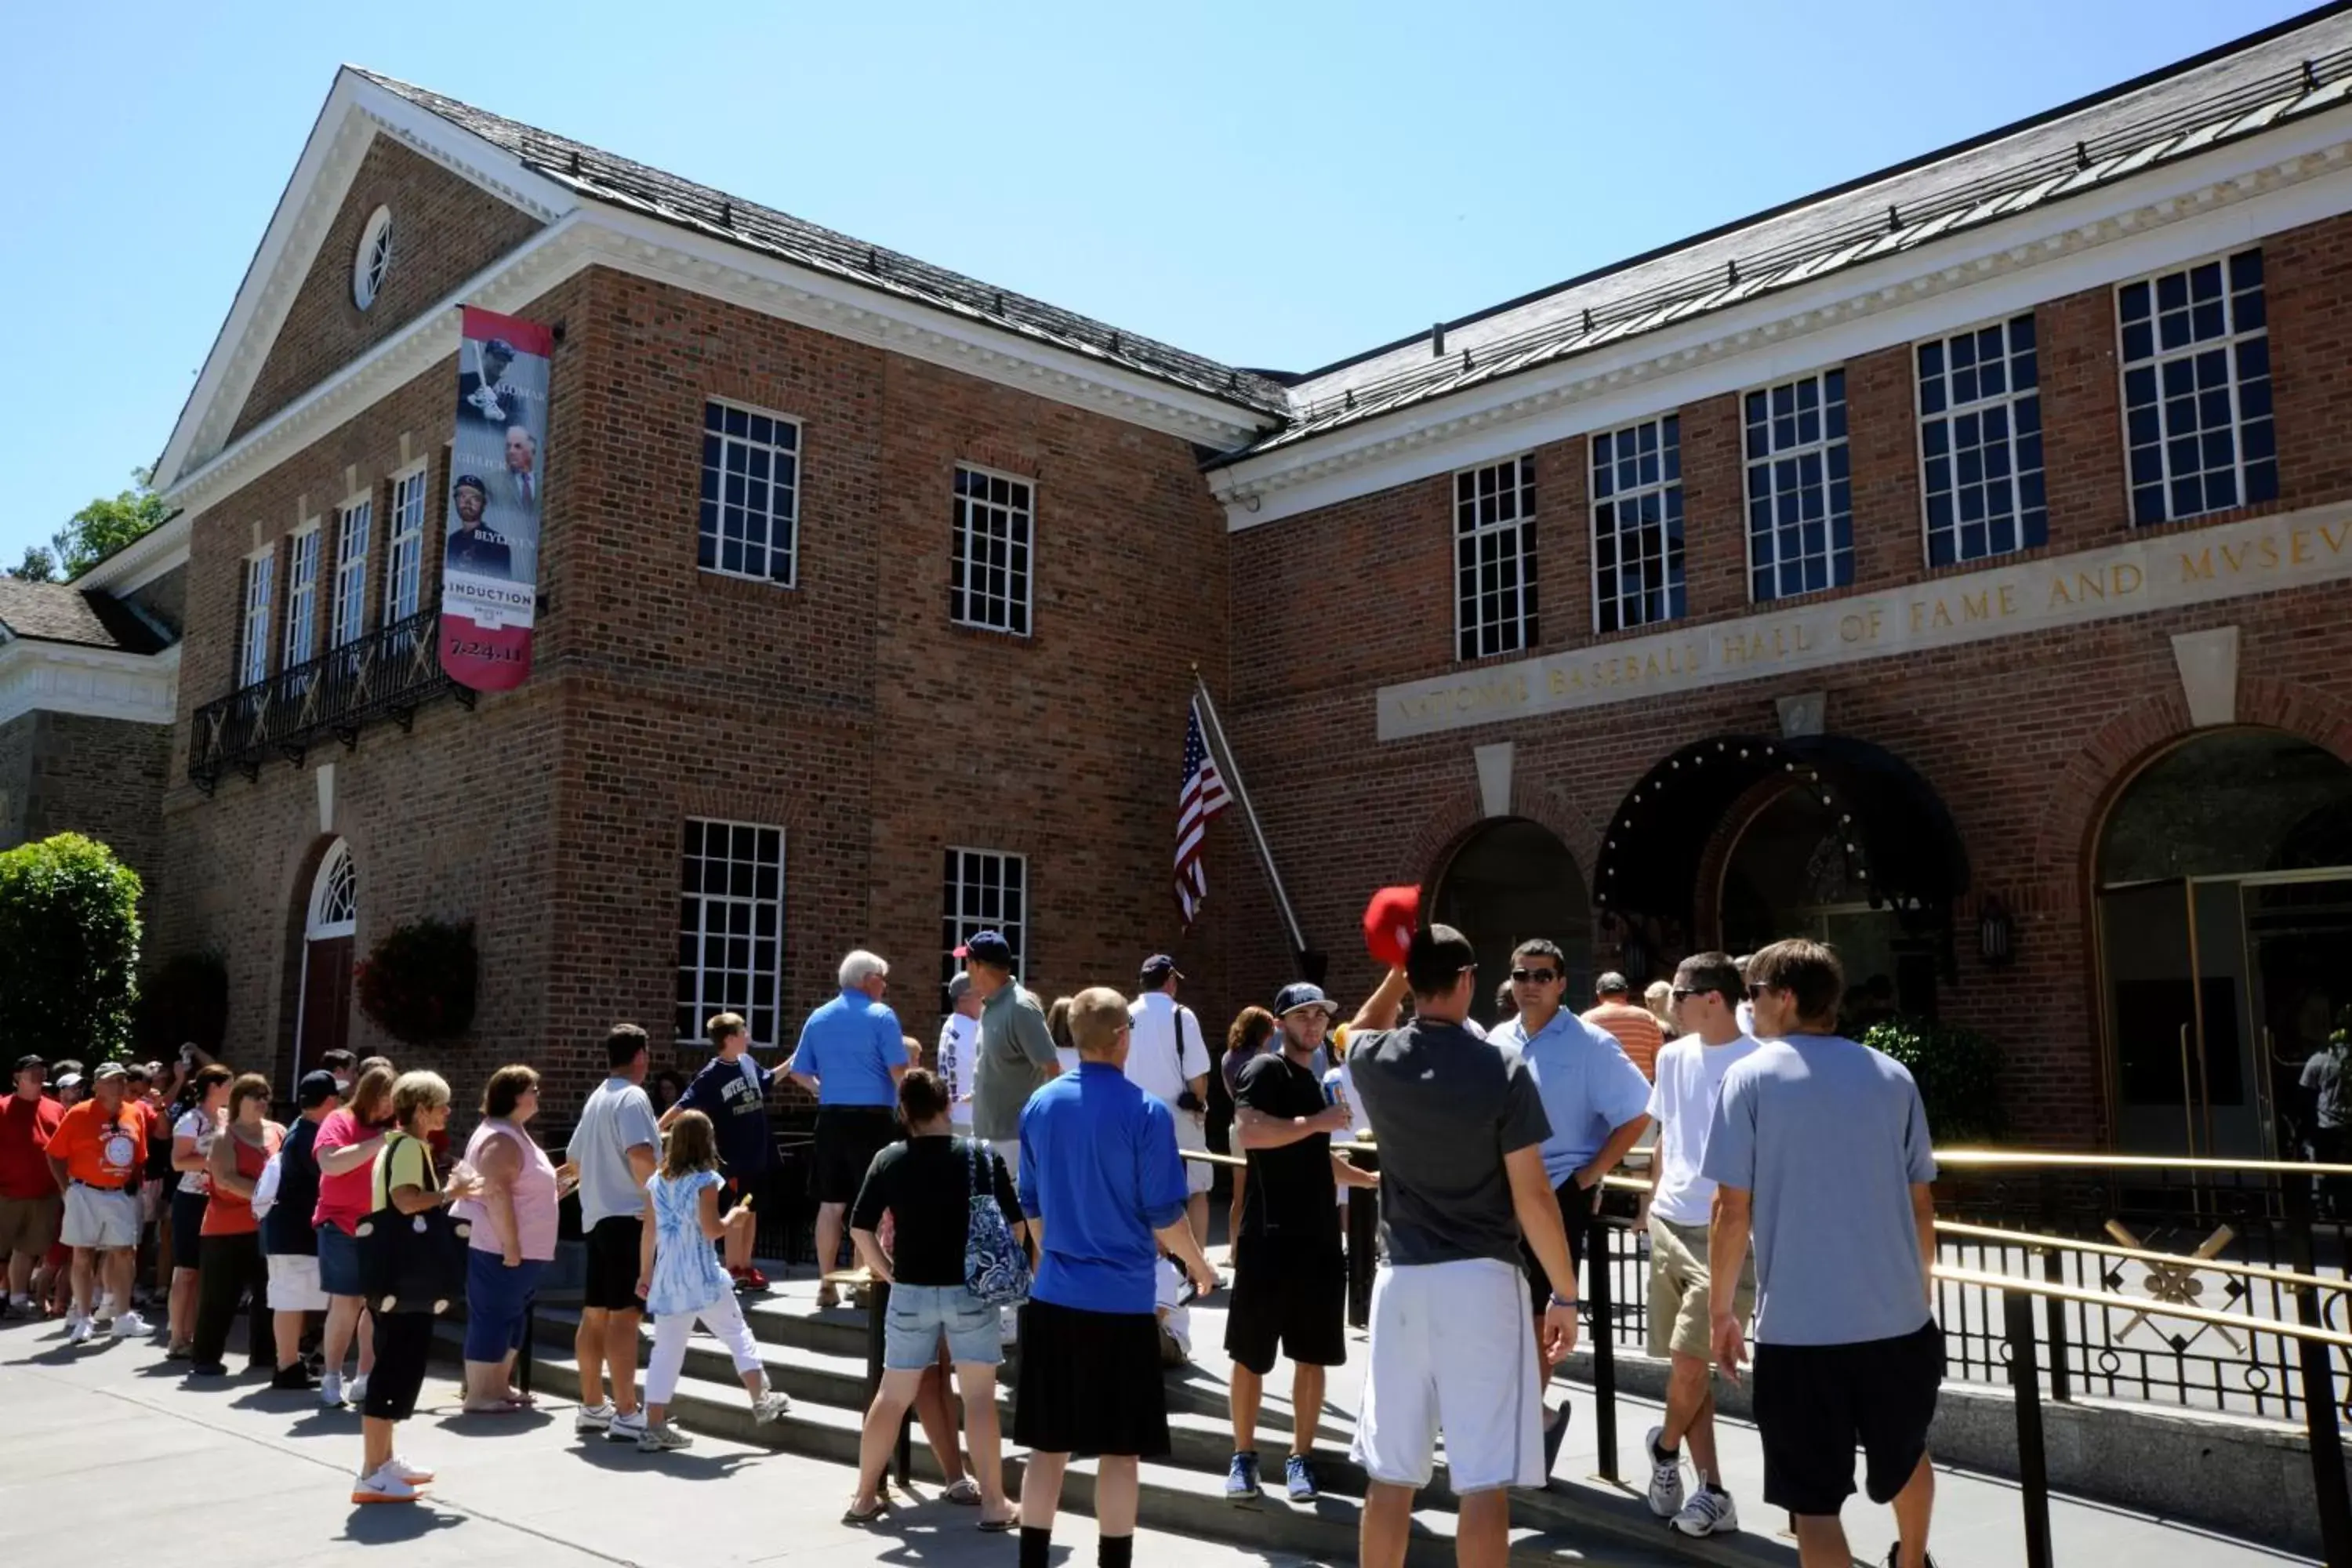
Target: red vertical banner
[497,467]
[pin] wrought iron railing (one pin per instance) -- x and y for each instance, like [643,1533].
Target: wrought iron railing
[388,673]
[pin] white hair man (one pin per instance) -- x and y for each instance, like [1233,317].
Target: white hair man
[851,1056]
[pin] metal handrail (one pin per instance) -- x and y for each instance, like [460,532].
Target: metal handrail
[2041,1241]
[1991,1157]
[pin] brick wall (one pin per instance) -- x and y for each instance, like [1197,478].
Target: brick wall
[65,772]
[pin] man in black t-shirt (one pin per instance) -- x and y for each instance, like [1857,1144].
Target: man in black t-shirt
[1290,1279]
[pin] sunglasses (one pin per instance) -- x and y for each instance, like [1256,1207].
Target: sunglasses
[1756,992]
[1534,976]
[1684,994]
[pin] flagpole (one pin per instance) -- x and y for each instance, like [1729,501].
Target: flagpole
[1216,738]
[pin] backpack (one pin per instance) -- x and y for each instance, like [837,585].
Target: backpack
[996,1264]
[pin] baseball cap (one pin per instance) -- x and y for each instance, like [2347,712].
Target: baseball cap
[67,1080]
[1390,921]
[472,481]
[1293,998]
[1609,984]
[107,1070]
[957,986]
[317,1088]
[28,1062]
[1158,968]
[989,947]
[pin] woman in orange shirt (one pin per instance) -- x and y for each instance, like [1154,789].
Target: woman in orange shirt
[231,1264]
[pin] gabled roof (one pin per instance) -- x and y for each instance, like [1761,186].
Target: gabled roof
[54,612]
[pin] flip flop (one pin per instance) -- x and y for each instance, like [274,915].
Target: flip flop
[494,1407]
[965,1491]
[851,1515]
[1000,1526]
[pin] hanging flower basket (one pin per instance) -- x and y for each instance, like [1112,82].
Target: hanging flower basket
[418,983]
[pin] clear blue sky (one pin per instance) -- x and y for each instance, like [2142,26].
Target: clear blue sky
[1275,184]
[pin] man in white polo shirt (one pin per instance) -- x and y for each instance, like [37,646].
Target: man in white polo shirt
[958,1045]
[1168,1059]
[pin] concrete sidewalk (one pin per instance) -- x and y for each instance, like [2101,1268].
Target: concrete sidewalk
[107,1439]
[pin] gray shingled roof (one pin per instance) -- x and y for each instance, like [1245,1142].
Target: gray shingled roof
[54,612]
[606,177]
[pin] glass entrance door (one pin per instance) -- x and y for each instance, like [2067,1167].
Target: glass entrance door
[2178,1014]
[2299,950]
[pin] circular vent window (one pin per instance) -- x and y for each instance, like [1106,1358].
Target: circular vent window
[373,262]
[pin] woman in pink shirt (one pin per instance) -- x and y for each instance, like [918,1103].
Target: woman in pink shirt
[514,1223]
[348,1141]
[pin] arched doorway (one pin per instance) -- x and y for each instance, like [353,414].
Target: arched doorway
[1796,868]
[328,929]
[2223,889]
[1509,881]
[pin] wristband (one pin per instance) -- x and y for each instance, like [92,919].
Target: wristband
[1559,1301]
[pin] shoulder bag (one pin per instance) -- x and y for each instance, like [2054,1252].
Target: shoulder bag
[996,1264]
[412,1262]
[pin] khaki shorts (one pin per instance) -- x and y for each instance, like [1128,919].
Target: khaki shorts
[1680,1321]
[30,1225]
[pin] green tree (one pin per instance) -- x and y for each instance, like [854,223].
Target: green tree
[95,532]
[69,949]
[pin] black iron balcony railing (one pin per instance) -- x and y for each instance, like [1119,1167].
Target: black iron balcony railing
[389,673]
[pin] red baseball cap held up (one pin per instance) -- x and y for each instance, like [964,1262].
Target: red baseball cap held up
[1390,921]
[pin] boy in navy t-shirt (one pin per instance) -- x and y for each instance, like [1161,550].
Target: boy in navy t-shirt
[732,1090]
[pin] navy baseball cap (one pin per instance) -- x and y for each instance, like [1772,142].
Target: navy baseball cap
[499,346]
[1295,998]
[990,947]
[317,1088]
[1158,968]
[470,481]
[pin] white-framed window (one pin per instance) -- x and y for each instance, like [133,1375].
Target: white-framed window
[988,580]
[2197,389]
[253,643]
[355,528]
[301,595]
[731,926]
[1494,558]
[1799,496]
[404,560]
[371,262]
[749,519]
[987,889]
[1637,525]
[1981,442]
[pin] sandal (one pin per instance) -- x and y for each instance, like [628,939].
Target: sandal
[965,1490]
[1010,1523]
[494,1405]
[851,1515]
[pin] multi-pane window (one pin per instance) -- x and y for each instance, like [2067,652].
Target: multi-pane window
[750,493]
[986,890]
[730,919]
[302,596]
[355,523]
[988,575]
[1494,558]
[1981,442]
[253,648]
[2197,389]
[1637,524]
[1800,500]
[405,564]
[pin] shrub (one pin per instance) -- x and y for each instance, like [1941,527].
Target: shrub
[186,999]
[69,949]
[418,984]
[1959,1073]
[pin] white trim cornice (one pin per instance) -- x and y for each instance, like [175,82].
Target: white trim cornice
[140,561]
[94,682]
[2169,215]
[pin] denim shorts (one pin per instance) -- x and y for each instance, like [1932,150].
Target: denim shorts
[920,1314]
[339,1262]
[497,1302]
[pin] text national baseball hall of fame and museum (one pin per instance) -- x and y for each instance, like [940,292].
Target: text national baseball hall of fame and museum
[2171,570]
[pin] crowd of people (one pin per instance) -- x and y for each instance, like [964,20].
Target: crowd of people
[1035,1190]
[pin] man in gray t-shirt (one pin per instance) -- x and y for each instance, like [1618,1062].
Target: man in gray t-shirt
[1460,1128]
[1820,1147]
[614,1148]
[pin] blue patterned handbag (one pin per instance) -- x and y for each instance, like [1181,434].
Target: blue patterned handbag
[996,1264]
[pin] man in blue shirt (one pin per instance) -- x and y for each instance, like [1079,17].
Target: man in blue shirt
[851,1056]
[1597,1102]
[1100,1178]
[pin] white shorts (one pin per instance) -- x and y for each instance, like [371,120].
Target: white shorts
[1452,1351]
[1192,1132]
[294,1284]
[98,1218]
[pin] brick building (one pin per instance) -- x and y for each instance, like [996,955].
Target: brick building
[1951,563]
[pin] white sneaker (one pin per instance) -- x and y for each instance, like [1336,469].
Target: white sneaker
[1666,1478]
[384,1486]
[331,1390]
[771,1407]
[591,1418]
[625,1428]
[21,1305]
[77,1331]
[654,1439]
[132,1326]
[414,1474]
[1709,1512]
[358,1395]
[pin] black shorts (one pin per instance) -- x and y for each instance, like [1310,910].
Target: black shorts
[187,1227]
[847,1139]
[403,1342]
[1814,1404]
[1576,1218]
[1290,1297]
[1090,1383]
[614,1260]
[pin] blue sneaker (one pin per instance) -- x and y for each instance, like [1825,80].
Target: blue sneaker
[1241,1480]
[1300,1474]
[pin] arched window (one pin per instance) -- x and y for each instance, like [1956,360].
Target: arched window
[334,896]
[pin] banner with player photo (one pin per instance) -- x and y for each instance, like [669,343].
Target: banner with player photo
[498,465]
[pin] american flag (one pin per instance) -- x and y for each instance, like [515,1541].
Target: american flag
[1202,796]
